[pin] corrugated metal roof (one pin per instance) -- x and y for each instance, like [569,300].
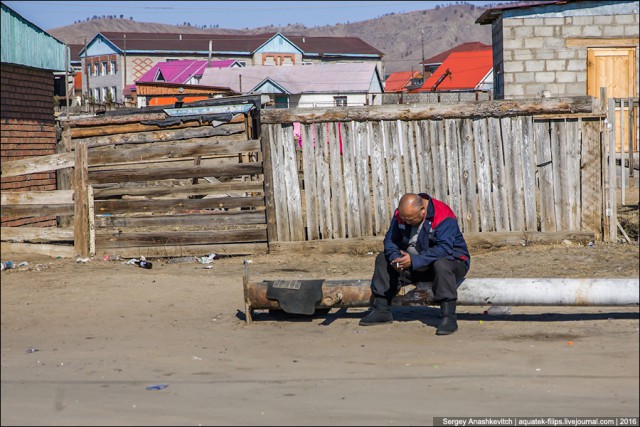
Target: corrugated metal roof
[181,71]
[490,15]
[148,42]
[236,43]
[23,43]
[464,47]
[297,79]
[467,70]
[398,80]
[333,45]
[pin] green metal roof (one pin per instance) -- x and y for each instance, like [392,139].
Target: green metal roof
[23,43]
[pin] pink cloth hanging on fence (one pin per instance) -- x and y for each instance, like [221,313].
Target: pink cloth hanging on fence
[297,134]
[339,136]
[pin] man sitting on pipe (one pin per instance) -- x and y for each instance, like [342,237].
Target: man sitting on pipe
[423,244]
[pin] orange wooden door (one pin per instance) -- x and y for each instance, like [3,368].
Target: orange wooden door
[615,69]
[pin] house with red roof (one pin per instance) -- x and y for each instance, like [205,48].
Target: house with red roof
[403,81]
[431,64]
[462,71]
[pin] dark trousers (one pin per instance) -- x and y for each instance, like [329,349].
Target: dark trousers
[445,275]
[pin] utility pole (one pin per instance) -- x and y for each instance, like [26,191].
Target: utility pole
[124,66]
[210,49]
[86,69]
[67,54]
[422,37]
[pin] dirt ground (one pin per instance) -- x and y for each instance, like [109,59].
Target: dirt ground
[104,331]
[81,342]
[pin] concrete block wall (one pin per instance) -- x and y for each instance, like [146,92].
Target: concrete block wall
[536,56]
[27,129]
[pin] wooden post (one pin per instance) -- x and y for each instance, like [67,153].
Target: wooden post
[92,222]
[265,138]
[630,132]
[611,127]
[80,197]
[622,177]
[64,176]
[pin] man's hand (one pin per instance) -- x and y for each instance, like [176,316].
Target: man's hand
[402,263]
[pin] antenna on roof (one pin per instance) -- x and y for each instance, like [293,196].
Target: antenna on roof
[180,37]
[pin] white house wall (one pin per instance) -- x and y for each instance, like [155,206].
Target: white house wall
[327,100]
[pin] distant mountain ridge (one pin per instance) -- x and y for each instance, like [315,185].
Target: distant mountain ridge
[398,35]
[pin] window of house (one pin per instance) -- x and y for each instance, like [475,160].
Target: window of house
[112,69]
[270,60]
[287,60]
[114,91]
[96,95]
[242,63]
[105,93]
[104,68]
[282,101]
[341,101]
[88,69]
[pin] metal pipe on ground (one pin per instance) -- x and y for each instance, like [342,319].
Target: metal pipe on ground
[472,291]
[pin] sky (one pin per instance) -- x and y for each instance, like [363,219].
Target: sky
[225,14]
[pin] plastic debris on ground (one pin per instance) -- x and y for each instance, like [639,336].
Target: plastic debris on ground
[136,260]
[157,386]
[498,310]
[82,260]
[207,259]
[32,350]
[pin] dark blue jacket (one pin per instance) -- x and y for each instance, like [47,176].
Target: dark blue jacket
[440,237]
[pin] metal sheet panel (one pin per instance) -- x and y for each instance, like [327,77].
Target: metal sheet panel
[23,43]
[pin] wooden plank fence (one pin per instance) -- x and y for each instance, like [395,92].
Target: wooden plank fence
[133,189]
[505,167]
[140,183]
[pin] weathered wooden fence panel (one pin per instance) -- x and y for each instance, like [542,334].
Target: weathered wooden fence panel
[500,170]
[135,183]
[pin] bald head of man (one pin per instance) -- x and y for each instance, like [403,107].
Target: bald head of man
[412,209]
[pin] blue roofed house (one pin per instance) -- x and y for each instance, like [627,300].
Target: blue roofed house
[114,61]
[29,58]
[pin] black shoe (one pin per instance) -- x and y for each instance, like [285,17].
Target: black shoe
[449,323]
[379,315]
